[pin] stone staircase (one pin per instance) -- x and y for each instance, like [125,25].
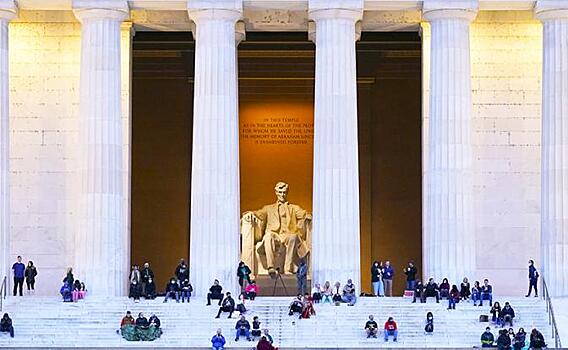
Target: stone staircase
[48,322]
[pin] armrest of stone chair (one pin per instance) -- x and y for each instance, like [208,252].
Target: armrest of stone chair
[247,242]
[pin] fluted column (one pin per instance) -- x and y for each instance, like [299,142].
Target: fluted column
[335,239]
[215,201]
[7,12]
[554,146]
[100,239]
[449,238]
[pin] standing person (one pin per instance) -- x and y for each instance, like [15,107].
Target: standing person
[135,280]
[182,272]
[19,269]
[533,279]
[148,278]
[410,273]
[243,272]
[377,279]
[218,341]
[388,274]
[302,276]
[69,278]
[30,274]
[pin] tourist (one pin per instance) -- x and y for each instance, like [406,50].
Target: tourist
[215,293]
[388,274]
[302,276]
[296,306]
[135,283]
[241,305]
[243,328]
[144,329]
[337,299]
[391,329]
[172,290]
[30,274]
[454,297]
[503,340]
[507,314]
[6,325]
[243,272]
[444,288]
[66,292]
[511,333]
[377,279]
[226,305]
[327,293]
[127,320]
[186,290]
[268,336]
[349,293]
[142,322]
[252,290]
[410,273]
[371,327]
[520,340]
[486,292]
[487,338]
[418,292]
[476,293]
[264,344]
[316,293]
[533,279]
[76,293]
[182,272]
[536,340]
[429,327]
[19,270]
[495,311]
[465,291]
[148,285]
[255,333]
[308,309]
[218,341]
[69,278]
[431,290]
[154,321]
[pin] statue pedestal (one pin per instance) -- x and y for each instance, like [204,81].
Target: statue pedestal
[266,285]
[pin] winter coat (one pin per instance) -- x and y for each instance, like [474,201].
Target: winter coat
[218,341]
[30,273]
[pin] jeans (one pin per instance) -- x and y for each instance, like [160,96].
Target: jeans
[379,288]
[410,285]
[244,332]
[326,298]
[217,348]
[185,294]
[302,286]
[350,299]
[451,303]
[389,333]
[169,295]
[486,296]
[18,284]
[388,287]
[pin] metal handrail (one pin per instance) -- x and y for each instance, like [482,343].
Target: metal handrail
[3,292]
[551,318]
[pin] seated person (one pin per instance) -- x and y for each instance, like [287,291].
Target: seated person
[128,327]
[391,329]
[465,289]
[6,325]
[150,289]
[264,344]
[429,327]
[172,290]
[227,305]
[371,327]
[142,322]
[154,321]
[241,305]
[297,306]
[327,292]
[268,336]
[507,314]
[308,309]
[76,293]
[215,293]
[418,292]
[349,296]
[66,292]
[519,340]
[144,329]
[337,293]
[495,313]
[251,290]
[476,293]
[503,340]
[316,293]
[444,288]
[486,292]
[431,290]
[186,290]
[127,320]
[218,341]
[487,338]
[255,333]
[454,297]
[537,340]
[243,328]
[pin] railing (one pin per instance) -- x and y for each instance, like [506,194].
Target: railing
[3,292]
[551,318]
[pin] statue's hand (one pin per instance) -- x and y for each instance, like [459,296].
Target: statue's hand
[309,217]
[249,216]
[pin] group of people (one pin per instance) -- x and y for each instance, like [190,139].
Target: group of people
[335,295]
[476,293]
[142,283]
[24,273]
[141,328]
[508,339]
[390,328]
[243,328]
[382,276]
[72,290]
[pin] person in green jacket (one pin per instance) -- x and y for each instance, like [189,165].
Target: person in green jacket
[487,338]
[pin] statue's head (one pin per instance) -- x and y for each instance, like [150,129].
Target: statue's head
[281,190]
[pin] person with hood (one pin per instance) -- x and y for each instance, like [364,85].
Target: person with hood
[487,338]
[533,279]
[218,341]
[520,339]
[30,274]
[391,329]
[172,290]
[507,314]
[349,293]
[127,320]
[264,344]
[243,328]
[429,327]
[503,341]
[453,297]
[186,290]
[377,279]
[243,273]
[227,305]
[537,340]
[6,325]
[148,284]
[182,272]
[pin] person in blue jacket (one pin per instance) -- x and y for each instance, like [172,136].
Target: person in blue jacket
[218,341]
[388,274]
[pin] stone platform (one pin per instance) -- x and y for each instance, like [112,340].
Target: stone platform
[92,323]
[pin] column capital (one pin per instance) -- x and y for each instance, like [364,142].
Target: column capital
[336,9]
[441,9]
[100,9]
[8,10]
[551,9]
[230,10]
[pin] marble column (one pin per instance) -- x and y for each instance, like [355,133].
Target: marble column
[554,146]
[335,238]
[449,236]
[100,239]
[8,11]
[215,192]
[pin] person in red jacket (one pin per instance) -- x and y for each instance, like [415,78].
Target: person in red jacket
[391,329]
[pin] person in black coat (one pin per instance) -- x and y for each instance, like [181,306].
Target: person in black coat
[172,290]
[533,279]
[186,290]
[142,322]
[503,341]
[465,289]
[148,285]
[215,293]
[410,273]
[418,292]
[537,340]
[30,274]
[227,305]
[154,321]
[182,272]
[6,325]
[243,272]
[243,328]
[431,290]
[507,314]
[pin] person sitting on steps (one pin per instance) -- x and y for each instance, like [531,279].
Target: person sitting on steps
[454,297]
[465,291]
[255,333]
[476,293]
[391,329]
[6,325]
[243,328]
[308,309]
[337,299]
[297,306]
[327,293]
[486,292]
[227,305]
[218,341]
[487,338]
[251,291]
[507,314]
[418,292]
[172,290]
[495,311]
[349,296]
[444,288]
[371,327]
[215,293]
[429,327]
[316,293]
[186,290]
[431,290]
